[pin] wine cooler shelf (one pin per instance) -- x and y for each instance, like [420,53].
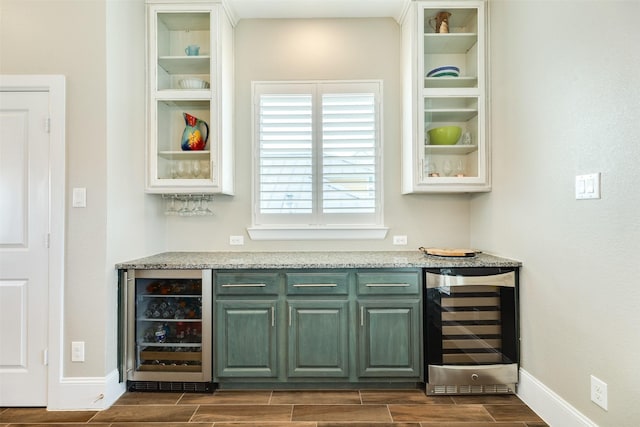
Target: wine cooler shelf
[182,359]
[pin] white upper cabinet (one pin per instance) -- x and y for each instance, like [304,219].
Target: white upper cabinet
[189,98]
[444,85]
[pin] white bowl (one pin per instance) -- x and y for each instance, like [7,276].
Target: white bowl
[192,83]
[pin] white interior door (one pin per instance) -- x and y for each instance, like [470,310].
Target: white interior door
[24,254]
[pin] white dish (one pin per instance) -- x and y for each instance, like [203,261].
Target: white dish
[444,68]
[193,84]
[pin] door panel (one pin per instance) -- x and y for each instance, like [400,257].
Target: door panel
[318,339]
[246,344]
[24,215]
[389,341]
[13,310]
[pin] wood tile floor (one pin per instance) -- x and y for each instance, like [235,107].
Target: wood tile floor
[265,408]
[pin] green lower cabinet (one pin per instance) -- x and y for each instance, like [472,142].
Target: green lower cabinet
[318,339]
[389,338]
[246,342]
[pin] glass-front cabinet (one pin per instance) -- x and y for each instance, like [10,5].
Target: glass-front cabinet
[445,129]
[190,98]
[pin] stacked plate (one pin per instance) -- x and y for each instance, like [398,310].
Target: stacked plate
[192,83]
[444,71]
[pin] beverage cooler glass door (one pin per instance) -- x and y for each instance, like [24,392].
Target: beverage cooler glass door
[471,330]
[169,325]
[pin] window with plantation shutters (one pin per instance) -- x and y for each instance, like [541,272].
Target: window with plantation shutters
[317,148]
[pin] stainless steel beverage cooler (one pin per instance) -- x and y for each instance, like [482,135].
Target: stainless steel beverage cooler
[471,330]
[166,330]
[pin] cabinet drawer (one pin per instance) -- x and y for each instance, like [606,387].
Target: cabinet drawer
[243,283]
[318,283]
[388,283]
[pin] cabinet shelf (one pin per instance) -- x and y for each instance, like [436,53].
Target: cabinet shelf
[183,95]
[171,345]
[184,21]
[444,115]
[435,43]
[450,82]
[450,149]
[169,296]
[185,155]
[185,64]
[171,368]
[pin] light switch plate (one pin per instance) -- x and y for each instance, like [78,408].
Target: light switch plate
[79,197]
[588,186]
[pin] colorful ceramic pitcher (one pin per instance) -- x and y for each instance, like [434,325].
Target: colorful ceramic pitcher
[192,138]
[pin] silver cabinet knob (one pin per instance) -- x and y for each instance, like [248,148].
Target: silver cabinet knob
[474,377]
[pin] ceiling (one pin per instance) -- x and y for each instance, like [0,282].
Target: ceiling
[244,9]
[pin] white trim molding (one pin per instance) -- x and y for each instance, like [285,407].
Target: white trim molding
[553,409]
[317,233]
[87,393]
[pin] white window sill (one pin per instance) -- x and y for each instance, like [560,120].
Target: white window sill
[317,233]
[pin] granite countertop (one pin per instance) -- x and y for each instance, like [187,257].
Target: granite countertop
[274,260]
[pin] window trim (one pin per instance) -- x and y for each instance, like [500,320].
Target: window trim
[274,231]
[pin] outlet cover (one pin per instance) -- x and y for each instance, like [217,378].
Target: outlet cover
[236,240]
[599,392]
[77,351]
[399,240]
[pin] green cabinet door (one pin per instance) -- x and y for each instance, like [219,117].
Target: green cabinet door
[318,339]
[389,338]
[246,344]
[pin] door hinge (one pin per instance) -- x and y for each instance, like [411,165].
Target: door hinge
[47,125]
[45,357]
[47,240]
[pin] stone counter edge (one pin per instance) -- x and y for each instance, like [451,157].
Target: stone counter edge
[308,260]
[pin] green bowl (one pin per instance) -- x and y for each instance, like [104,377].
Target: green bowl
[445,135]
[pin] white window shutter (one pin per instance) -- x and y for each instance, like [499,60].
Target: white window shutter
[317,148]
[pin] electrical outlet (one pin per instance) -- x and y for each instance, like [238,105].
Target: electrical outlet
[599,392]
[77,351]
[236,240]
[399,240]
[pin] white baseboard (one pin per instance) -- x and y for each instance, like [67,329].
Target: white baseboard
[554,410]
[85,393]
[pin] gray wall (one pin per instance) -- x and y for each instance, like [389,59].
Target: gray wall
[566,101]
[321,49]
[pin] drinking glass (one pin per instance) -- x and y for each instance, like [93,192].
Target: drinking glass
[447,168]
[171,206]
[198,209]
[432,169]
[184,210]
[182,169]
[195,169]
[204,167]
[173,170]
[206,210]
